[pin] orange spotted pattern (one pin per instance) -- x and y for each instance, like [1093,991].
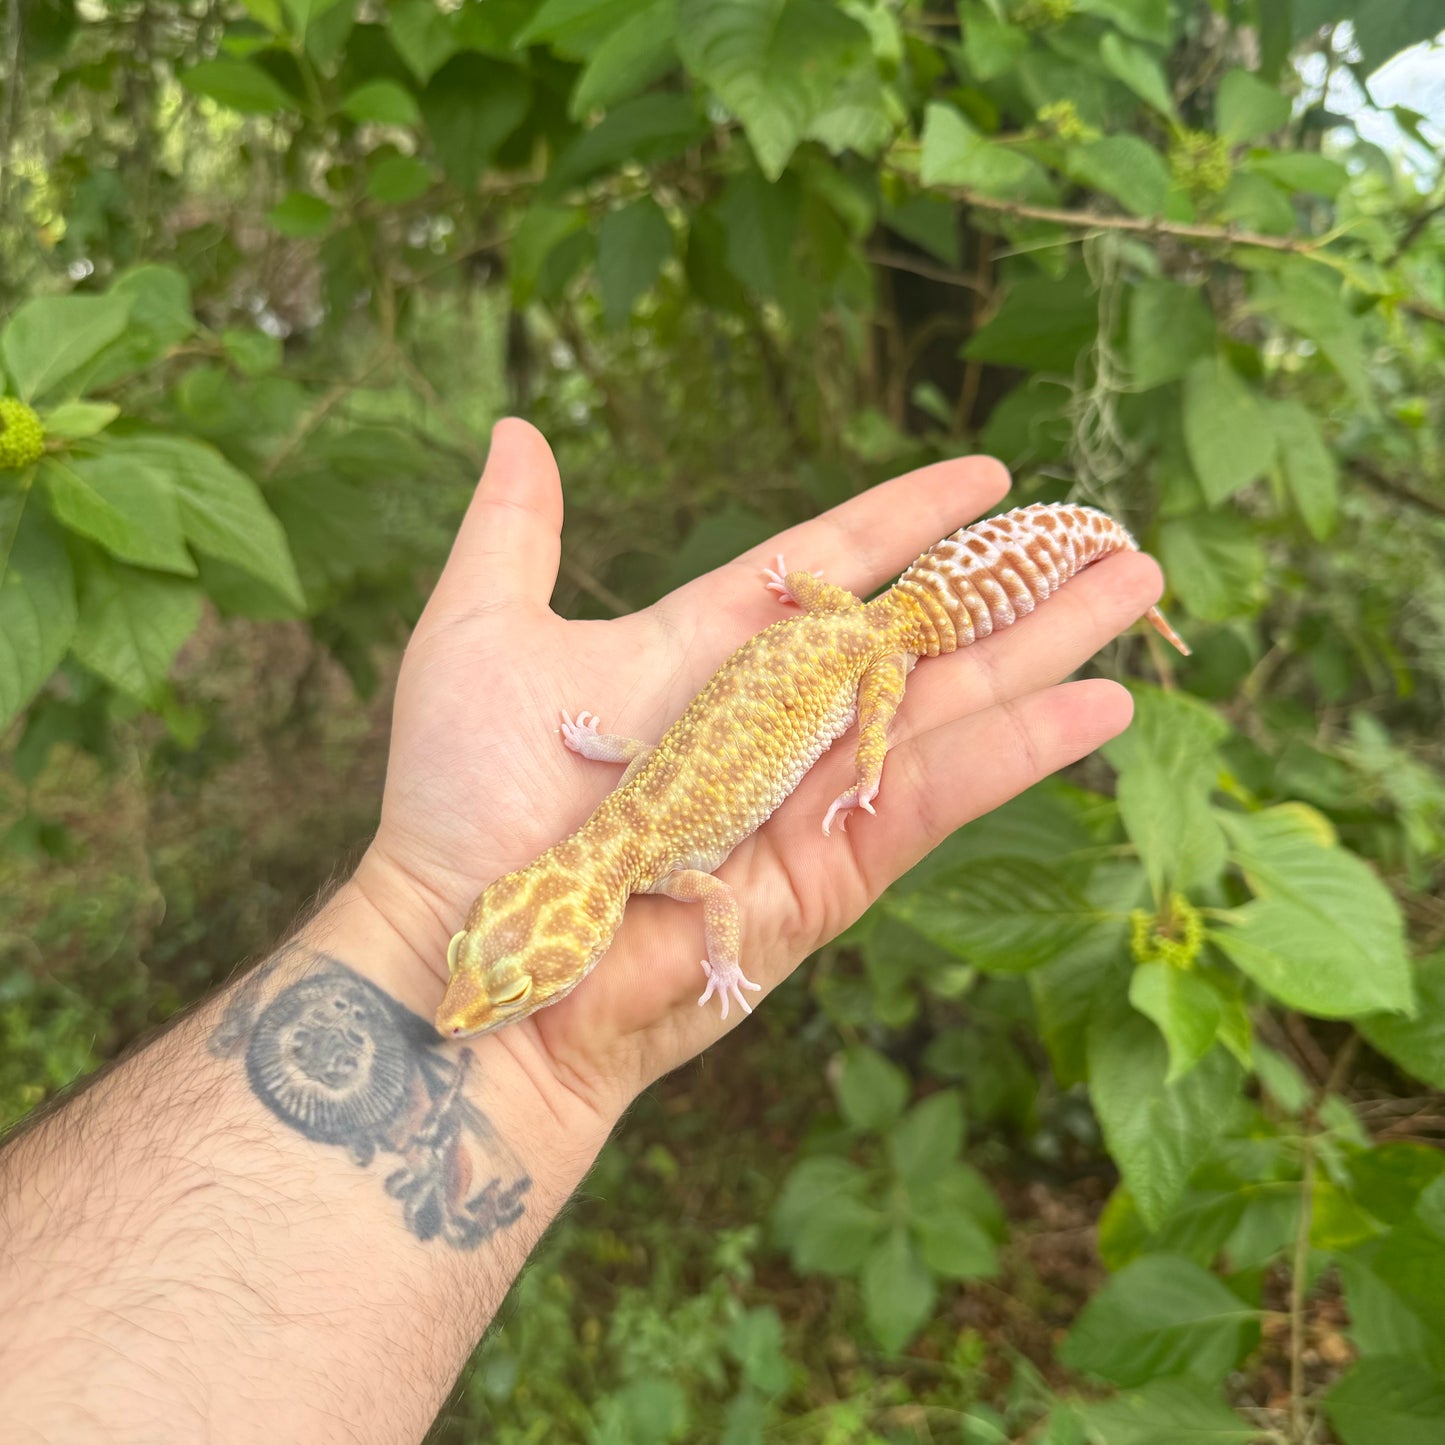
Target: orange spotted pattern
[742,746]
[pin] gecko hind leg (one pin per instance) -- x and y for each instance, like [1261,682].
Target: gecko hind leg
[581,736]
[723,929]
[879,694]
[807,590]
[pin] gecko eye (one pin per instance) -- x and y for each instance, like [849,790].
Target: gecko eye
[520,990]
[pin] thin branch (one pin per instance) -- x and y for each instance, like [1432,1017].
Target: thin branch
[900,261]
[1388,486]
[1137,225]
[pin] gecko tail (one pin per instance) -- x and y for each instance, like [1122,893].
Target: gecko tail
[1160,623]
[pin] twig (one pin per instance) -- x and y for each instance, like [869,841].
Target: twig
[1373,477]
[900,261]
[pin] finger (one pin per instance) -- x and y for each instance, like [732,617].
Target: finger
[867,540]
[509,543]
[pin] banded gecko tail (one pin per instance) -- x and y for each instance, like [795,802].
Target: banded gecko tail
[996,571]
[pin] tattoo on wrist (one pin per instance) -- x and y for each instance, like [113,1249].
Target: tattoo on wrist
[341,1062]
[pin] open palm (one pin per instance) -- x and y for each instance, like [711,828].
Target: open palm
[479,781]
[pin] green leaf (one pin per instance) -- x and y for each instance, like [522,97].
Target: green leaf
[757,1343]
[1307,298]
[253,353]
[132,623]
[1139,69]
[1167,1412]
[238,85]
[382,102]
[1215,562]
[632,245]
[1388,1401]
[300,216]
[543,228]
[760,221]
[898,1291]
[809,1184]
[1127,168]
[575,28]
[75,420]
[395,180]
[1416,1044]
[126,505]
[640,51]
[956,153]
[1226,432]
[1309,466]
[1161,1315]
[871,1089]
[223,513]
[1007,915]
[953,1243]
[471,105]
[37,603]
[50,337]
[1170,327]
[1042,325]
[838,1236]
[650,128]
[1301,171]
[424,36]
[160,318]
[1156,1131]
[991,46]
[927,1139]
[1246,107]
[1255,204]
[1323,933]
[1143,19]
[1183,1007]
[774,63]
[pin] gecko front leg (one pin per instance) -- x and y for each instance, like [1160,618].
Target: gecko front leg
[722,927]
[879,694]
[582,737]
[808,590]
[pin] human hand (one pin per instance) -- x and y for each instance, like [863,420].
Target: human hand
[479,781]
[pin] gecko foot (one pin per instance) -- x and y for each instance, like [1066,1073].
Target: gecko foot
[574,734]
[776,582]
[844,802]
[723,980]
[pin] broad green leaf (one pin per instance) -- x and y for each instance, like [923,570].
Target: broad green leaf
[253,353]
[300,216]
[383,102]
[1176,1411]
[1170,327]
[1139,69]
[1215,562]
[1161,1315]
[871,1089]
[991,47]
[808,1185]
[238,85]
[1416,1044]
[1246,107]
[650,128]
[923,1143]
[132,623]
[1067,992]
[37,603]
[898,1291]
[1005,915]
[424,36]
[160,318]
[641,50]
[1254,203]
[957,153]
[75,420]
[223,513]
[1309,466]
[1383,1321]
[1185,1009]
[1323,933]
[1226,432]
[395,180]
[575,28]
[837,1236]
[757,1343]
[954,1245]
[1156,1132]
[857,117]
[760,221]
[632,245]
[776,64]
[304,13]
[1388,1401]
[1307,298]
[121,502]
[1301,171]
[50,337]
[1127,168]
[1143,19]
[1042,325]
[471,105]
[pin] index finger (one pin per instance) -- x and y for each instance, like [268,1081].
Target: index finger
[865,541]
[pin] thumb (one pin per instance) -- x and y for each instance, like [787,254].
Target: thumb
[509,543]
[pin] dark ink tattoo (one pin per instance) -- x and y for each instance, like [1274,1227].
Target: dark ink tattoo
[343,1063]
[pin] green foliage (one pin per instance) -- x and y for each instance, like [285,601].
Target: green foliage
[267,279]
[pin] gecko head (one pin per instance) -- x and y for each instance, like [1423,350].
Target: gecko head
[528,941]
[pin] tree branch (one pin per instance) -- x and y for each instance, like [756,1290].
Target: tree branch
[1378,481]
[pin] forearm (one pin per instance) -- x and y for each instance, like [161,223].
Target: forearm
[292,1215]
